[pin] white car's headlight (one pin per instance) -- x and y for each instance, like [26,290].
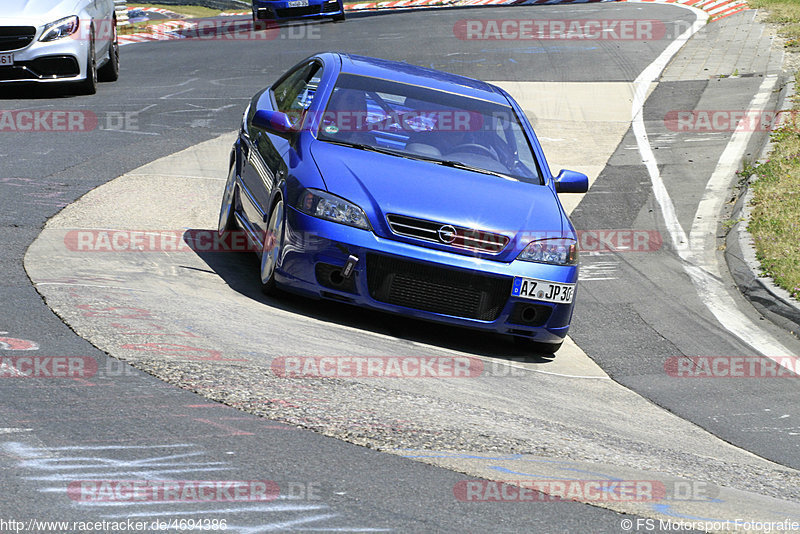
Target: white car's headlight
[332,208]
[554,251]
[60,29]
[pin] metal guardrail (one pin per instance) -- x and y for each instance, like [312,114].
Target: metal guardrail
[121,8]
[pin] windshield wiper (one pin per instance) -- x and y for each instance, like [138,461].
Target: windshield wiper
[370,148]
[464,166]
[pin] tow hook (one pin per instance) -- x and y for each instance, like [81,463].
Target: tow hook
[349,267]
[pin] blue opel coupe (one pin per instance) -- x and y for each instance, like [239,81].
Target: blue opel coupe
[405,190]
[298,9]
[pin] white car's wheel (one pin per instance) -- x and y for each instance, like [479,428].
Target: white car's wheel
[110,71]
[89,85]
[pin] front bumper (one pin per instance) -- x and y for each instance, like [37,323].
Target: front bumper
[416,281]
[64,60]
[280,10]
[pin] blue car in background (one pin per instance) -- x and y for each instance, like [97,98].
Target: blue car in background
[298,9]
[406,190]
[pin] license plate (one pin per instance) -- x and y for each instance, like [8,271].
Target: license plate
[6,60]
[298,3]
[530,288]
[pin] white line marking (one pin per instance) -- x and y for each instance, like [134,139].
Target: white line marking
[698,250]
[701,256]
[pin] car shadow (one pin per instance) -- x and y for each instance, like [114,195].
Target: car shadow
[240,271]
[35,91]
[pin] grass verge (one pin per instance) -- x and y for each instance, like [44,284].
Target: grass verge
[775,208]
[785,13]
[187,10]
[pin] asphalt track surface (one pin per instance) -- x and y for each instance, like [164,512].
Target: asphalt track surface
[174,95]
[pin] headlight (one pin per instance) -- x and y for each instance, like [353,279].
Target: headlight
[60,29]
[554,251]
[332,208]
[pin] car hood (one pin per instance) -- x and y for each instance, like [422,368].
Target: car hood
[384,184]
[38,11]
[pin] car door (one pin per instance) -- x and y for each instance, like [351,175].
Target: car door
[91,9]
[266,165]
[103,15]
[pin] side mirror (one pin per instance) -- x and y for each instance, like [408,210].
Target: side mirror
[274,122]
[571,182]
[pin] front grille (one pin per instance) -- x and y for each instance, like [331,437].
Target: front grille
[56,66]
[16,37]
[43,67]
[468,294]
[330,7]
[445,234]
[16,73]
[288,12]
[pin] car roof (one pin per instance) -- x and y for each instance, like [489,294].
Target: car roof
[411,74]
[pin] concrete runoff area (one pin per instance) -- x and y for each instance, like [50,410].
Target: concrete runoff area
[542,420]
[587,133]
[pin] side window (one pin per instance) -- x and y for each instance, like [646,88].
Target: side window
[296,92]
[501,132]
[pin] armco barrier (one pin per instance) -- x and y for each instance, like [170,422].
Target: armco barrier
[121,9]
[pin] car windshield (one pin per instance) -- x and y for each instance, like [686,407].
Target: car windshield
[428,124]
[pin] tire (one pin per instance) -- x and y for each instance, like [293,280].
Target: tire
[342,17]
[227,219]
[89,85]
[273,242]
[110,71]
[536,347]
[546,348]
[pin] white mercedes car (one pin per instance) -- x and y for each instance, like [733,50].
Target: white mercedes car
[57,41]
